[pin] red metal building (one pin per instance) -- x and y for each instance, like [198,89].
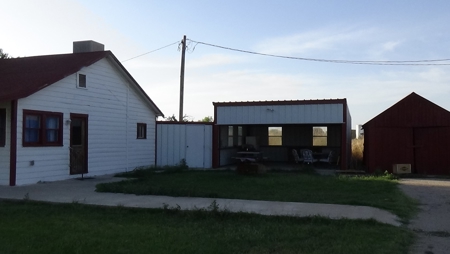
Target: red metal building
[413,131]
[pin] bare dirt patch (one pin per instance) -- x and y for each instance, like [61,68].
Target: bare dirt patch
[432,224]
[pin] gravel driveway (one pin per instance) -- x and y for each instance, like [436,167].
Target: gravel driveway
[432,224]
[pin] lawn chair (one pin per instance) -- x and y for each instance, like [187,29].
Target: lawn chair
[308,156]
[297,158]
[328,159]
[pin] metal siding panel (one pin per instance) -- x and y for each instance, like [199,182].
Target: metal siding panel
[194,145]
[281,114]
[251,115]
[430,150]
[390,146]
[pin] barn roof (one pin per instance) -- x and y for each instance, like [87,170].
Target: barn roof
[412,111]
[21,77]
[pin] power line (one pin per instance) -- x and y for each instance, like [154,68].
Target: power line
[414,62]
[152,51]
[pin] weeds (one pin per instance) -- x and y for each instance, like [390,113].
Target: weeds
[357,154]
[26,196]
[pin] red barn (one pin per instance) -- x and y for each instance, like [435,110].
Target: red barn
[413,131]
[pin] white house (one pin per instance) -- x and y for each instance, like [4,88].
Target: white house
[71,114]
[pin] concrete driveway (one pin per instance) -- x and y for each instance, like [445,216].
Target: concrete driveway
[70,191]
[432,224]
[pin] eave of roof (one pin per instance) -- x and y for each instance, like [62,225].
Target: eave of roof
[21,77]
[412,95]
[280,102]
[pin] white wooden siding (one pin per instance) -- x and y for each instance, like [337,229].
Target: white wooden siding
[280,114]
[114,108]
[192,142]
[5,151]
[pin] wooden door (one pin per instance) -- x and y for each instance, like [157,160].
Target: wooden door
[78,144]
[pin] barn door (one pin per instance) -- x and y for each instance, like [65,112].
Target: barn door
[195,142]
[78,144]
[431,153]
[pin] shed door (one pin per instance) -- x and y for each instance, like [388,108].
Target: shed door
[391,146]
[195,142]
[431,151]
[78,144]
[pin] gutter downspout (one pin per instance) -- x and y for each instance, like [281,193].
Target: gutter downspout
[13,145]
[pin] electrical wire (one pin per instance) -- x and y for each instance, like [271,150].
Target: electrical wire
[152,51]
[414,62]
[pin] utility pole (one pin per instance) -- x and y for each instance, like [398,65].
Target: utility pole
[183,51]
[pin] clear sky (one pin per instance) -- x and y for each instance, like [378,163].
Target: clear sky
[382,30]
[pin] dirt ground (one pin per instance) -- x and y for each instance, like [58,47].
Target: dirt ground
[432,224]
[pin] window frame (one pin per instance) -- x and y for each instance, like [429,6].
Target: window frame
[141,131]
[2,127]
[320,136]
[240,131]
[43,115]
[78,80]
[269,136]
[230,137]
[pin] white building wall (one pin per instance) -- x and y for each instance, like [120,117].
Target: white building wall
[192,142]
[280,114]
[114,108]
[171,143]
[5,151]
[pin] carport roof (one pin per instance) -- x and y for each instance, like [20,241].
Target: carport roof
[280,102]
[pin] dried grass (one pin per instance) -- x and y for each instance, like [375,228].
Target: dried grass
[357,153]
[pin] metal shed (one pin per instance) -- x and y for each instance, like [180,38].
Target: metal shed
[188,141]
[413,131]
[277,127]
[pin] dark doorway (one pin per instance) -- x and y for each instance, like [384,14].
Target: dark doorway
[78,144]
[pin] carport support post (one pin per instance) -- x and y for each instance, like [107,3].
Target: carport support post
[183,51]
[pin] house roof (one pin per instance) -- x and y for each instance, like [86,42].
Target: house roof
[21,77]
[282,102]
[412,111]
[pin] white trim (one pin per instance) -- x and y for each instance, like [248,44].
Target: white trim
[78,80]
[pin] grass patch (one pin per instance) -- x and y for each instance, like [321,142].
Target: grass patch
[381,192]
[34,227]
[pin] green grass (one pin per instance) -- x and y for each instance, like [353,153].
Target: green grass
[380,192]
[34,227]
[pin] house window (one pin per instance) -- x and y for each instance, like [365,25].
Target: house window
[275,136]
[2,127]
[230,136]
[320,136]
[42,128]
[81,81]
[141,131]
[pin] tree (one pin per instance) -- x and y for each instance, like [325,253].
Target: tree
[207,119]
[171,118]
[4,55]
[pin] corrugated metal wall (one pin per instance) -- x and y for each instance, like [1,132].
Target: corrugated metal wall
[189,141]
[280,114]
[413,131]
